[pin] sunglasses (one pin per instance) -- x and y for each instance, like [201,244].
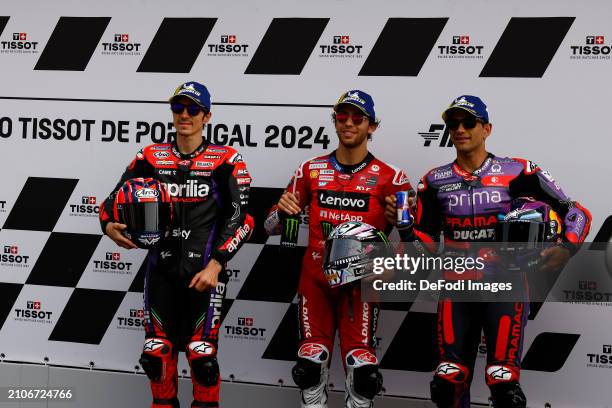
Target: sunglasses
[192,109]
[469,122]
[357,118]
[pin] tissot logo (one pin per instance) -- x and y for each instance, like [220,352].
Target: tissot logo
[33,312]
[87,207]
[588,293]
[228,46]
[113,256]
[245,328]
[359,202]
[460,47]
[135,320]
[340,47]
[10,257]
[593,48]
[2,206]
[436,132]
[601,359]
[112,264]
[121,45]
[19,44]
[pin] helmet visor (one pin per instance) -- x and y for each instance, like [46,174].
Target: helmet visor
[148,216]
[342,252]
[528,233]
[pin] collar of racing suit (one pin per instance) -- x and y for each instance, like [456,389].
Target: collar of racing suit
[476,173]
[195,153]
[350,168]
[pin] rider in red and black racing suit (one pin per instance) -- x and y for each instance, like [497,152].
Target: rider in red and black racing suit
[464,206]
[335,193]
[210,191]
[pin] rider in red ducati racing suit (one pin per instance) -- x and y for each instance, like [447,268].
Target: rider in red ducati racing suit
[185,280]
[348,184]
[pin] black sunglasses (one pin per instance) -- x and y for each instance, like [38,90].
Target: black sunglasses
[469,122]
[192,109]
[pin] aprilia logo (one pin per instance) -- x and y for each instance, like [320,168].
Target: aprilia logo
[191,189]
[344,201]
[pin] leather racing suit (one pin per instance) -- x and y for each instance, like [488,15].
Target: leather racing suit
[335,193]
[210,192]
[464,206]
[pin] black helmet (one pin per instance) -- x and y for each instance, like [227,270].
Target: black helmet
[145,206]
[350,250]
[525,230]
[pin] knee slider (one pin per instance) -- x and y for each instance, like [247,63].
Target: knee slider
[310,366]
[156,354]
[508,395]
[362,368]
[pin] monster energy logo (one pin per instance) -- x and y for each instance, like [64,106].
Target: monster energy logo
[327,228]
[382,236]
[290,232]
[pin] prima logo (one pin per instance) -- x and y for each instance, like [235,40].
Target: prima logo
[473,198]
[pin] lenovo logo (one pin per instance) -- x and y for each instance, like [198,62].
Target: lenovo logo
[344,201]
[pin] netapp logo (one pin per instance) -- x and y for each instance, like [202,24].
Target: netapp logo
[460,48]
[344,201]
[87,207]
[595,48]
[19,44]
[121,45]
[340,47]
[601,359]
[33,313]
[228,46]
[11,257]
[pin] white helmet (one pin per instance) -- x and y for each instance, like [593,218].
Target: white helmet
[350,250]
